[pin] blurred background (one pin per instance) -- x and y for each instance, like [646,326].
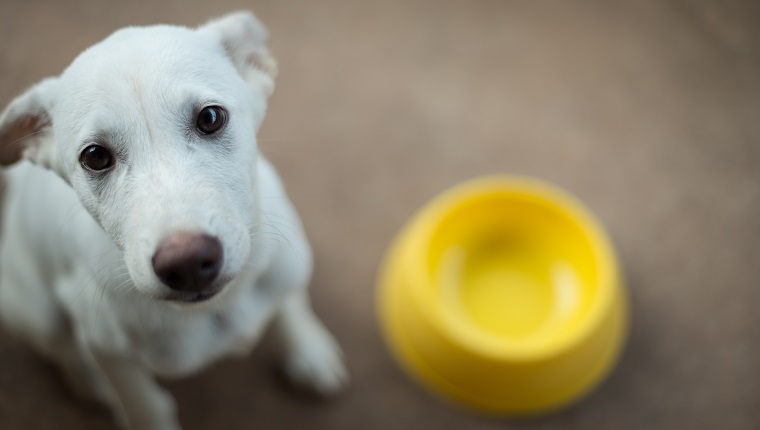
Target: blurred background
[649,111]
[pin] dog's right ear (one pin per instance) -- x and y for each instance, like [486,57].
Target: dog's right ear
[244,39]
[26,126]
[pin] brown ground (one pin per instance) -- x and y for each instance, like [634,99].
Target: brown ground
[647,110]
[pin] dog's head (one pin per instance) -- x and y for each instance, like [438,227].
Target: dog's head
[155,130]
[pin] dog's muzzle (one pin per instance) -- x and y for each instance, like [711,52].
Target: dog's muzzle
[189,263]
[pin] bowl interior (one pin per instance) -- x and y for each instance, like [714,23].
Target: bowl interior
[514,266]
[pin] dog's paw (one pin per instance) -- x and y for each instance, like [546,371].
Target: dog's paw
[317,364]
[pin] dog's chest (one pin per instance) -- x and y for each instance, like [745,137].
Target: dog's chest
[183,345]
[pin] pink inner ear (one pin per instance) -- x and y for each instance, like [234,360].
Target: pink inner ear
[19,134]
[262,60]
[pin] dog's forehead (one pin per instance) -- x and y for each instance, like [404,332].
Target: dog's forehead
[153,58]
[155,70]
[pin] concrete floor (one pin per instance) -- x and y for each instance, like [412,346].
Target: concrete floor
[649,111]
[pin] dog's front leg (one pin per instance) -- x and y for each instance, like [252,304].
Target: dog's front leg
[144,405]
[312,356]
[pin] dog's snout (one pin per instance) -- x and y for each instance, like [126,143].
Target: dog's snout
[188,261]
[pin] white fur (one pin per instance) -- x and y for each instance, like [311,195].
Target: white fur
[76,279]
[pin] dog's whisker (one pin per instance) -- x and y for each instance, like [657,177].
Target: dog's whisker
[100,285]
[270,227]
[269,235]
[282,220]
[295,249]
[103,286]
[99,257]
[122,291]
[84,284]
[92,278]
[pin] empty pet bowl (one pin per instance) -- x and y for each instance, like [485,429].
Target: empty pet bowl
[503,295]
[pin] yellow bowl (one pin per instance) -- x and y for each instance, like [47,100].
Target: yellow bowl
[504,295]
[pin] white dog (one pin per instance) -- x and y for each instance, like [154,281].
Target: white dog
[158,240]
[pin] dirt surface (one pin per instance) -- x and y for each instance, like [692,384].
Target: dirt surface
[649,111]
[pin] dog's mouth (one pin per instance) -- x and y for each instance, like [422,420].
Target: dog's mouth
[190,297]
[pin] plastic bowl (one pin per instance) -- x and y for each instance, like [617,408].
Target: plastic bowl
[504,295]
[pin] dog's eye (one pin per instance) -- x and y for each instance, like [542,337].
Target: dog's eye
[210,119]
[96,157]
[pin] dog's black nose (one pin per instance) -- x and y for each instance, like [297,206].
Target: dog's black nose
[188,261]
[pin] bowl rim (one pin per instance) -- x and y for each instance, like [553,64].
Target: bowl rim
[415,260]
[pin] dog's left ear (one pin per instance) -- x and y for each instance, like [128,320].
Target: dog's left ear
[26,126]
[244,39]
